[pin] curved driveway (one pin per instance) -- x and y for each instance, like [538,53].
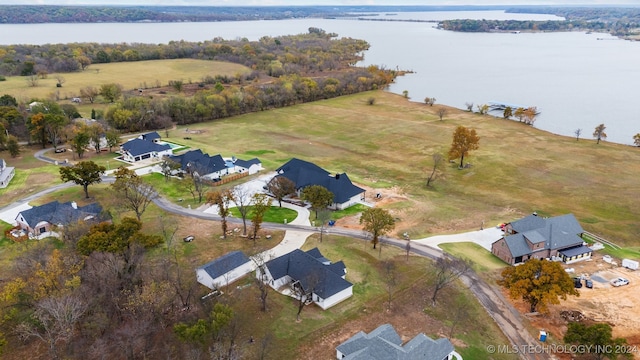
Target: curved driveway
[505,316]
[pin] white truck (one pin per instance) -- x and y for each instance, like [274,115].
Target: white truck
[630,264]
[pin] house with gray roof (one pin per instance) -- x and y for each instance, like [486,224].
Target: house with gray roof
[146,146]
[41,221]
[384,343]
[214,167]
[303,173]
[224,270]
[197,162]
[321,281]
[6,174]
[537,237]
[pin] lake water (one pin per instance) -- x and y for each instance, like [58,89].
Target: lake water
[576,80]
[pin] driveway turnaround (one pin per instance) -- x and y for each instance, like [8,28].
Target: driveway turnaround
[483,238]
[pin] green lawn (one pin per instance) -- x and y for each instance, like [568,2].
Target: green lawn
[482,260]
[275,214]
[173,189]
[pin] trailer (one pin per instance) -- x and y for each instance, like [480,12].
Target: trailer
[630,264]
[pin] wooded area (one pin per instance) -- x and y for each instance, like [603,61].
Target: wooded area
[281,71]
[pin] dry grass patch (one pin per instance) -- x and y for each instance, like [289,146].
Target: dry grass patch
[131,75]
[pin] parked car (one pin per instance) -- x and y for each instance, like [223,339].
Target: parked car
[60,150]
[619,282]
[188,238]
[588,283]
[577,282]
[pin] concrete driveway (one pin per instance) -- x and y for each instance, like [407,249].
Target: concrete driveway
[9,215]
[483,238]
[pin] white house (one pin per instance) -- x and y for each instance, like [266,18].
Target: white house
[224,270]
[319,279]
[242,166]
[146,146]
[6,174]
[303,174]
[43,220]
[195,161]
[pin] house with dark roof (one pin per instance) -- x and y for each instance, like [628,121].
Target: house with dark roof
[41,221]
[224,270]
[303,174]
[145,146]
[537,237]
[6,174]
[321,281]
[244,166]
[384,343]
[197,162]
[152,136]
[139,149]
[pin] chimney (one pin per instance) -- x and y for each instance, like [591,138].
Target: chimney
[74,205]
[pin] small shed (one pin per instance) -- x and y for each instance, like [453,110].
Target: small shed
[224,270]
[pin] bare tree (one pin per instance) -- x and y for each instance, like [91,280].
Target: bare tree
[134,193]
[578,132]
[60,80]
[242,198]
[390,280]
[55,320]
[447,270]
[442,111]
[437,160]
[265,346]
[198,185]
[184,286]
[459,310]
[324,215]
[303,291]
[430,101]
[260,259]
[407,246]
[32,80]
[469,106]
[168,229]
[89,93]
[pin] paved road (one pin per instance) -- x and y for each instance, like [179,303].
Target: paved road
[505,316]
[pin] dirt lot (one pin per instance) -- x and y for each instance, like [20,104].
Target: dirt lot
[618,306]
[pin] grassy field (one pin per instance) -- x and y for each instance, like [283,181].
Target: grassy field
[482,260]
[275,214]
[518,169]
[131,75]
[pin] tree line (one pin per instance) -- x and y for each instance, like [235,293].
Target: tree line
[484,25]
[315,51]
[618,21]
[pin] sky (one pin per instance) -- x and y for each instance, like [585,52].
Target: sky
[317,2]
